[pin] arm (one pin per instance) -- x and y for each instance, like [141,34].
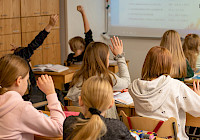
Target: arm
[123,81]
[37,123]
[88,32]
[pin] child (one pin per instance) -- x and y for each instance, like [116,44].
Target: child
[191,49]
[159,96]
[96,97]
[78,44]
[35,95]
[180,66]
[18,118]
[96,62]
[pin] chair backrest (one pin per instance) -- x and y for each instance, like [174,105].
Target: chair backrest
[73,108]
[192,121]
[168,128]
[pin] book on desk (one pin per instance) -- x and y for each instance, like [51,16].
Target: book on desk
[123,98]
[50,68]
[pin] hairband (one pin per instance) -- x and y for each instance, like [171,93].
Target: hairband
[188,35]
[94,111]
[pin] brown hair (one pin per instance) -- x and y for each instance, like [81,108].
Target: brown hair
[77,43]
[171,40]
[191,49]
[11,67]
[94,63]
[96,93]
[157,62]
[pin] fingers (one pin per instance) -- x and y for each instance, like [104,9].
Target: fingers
[197,84]
[112,42]
[194,86]
[111,48]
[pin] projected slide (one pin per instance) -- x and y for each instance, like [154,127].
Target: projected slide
[151,18]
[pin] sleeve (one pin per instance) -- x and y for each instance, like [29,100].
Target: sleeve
[35,122]
[188,100]
[88,38]
[123,80]
[27,52]
[190,72]
[69,59]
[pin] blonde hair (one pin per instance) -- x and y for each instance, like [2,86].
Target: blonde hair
[171,40]
[157,62]
[96,93]
[77,43]
[191,49]
[11,67]
[94,63]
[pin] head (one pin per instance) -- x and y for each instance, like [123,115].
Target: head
[95,62]
[157,62]
[96,93]
[77,44]
[191,48]
[171,40]
[14,73]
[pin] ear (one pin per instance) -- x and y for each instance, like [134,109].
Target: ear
[18,81]
[80,101]
[112,103]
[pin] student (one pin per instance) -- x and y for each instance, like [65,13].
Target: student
[180,66]
[78,44]
[191,49]
[96,97]
[18,118]
[35,95]
[159,96]
[96,62]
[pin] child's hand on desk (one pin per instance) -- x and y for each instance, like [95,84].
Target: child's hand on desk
[196,87]
[45,83]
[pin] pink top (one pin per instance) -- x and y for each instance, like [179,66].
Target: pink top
[19,120]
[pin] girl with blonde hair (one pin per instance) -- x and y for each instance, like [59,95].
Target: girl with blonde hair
[159,96]
[180,66]
[96,62]
[19,119]
[191,49]
[96,97]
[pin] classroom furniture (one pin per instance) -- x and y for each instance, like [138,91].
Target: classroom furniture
[194,122]
[149,124]
[22,20]
[40,104]
[73,108]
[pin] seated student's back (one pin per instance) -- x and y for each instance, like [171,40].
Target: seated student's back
[96,97]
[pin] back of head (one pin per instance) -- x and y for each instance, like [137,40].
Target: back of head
[11,67]
[157,62]
[191,48]
[171,40]
[77,43]
[94,62]
[96,93]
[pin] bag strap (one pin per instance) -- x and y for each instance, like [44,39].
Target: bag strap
[129,122]
[160,123]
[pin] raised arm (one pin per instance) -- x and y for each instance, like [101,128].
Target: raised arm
[85,20]
[52,21]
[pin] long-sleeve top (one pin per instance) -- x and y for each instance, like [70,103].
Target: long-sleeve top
[165,97]
[19,120]
[120,82]
[27,52]
[71,59]
[116,130]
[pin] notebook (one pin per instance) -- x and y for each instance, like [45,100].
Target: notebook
[50,68]
[123,98]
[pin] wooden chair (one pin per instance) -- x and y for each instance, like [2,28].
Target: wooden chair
[73,108]
[168,128]
[194,122]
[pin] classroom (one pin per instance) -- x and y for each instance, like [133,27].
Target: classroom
[99,69]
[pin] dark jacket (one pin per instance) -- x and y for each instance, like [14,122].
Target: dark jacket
[116,130]
[71,59]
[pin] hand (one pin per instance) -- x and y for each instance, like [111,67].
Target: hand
[196,87]
[14,47]
[80,8]
[117,46]
[45,83]
[53,19]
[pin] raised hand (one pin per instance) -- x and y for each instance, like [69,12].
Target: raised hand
[53,19]
[45,83]
[80,8]
[196,87]
[117,46]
